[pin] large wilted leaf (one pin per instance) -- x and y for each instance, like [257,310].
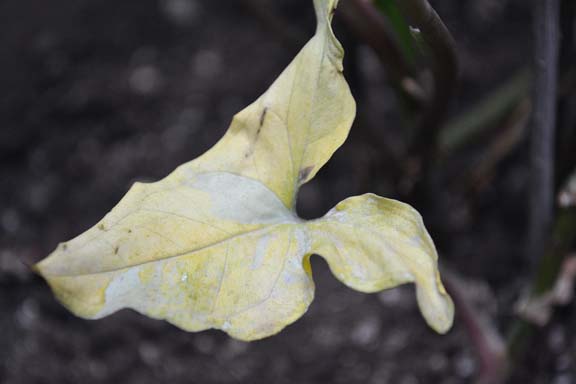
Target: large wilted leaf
[217,243]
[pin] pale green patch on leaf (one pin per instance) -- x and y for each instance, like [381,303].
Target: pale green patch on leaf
[216,244]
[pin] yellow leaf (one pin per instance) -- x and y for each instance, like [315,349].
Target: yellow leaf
[217,244]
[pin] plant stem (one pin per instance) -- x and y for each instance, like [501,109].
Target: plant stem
[546,43]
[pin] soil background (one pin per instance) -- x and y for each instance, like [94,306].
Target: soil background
[98,94]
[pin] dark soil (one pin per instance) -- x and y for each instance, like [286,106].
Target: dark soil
[97,94]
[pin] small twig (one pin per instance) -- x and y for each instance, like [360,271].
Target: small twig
[546,18]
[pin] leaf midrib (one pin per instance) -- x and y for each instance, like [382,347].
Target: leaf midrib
[181,254]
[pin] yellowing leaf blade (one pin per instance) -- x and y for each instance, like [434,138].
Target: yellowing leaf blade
[165,251]
[292,130]
[372,243]
[217,244]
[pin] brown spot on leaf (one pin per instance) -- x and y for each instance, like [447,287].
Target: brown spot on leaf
[116,250]
[101,227]
[64,246]
[250,149]
[304,173]
[262,118]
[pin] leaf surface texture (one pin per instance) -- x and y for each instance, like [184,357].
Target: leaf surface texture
[216,244]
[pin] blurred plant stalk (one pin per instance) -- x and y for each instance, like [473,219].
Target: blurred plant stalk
[546,15]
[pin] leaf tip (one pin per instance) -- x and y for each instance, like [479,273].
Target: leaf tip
[437,308]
